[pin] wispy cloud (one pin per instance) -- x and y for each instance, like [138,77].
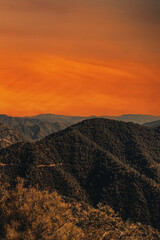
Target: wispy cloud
[113,47]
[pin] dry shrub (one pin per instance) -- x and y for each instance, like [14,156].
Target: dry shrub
[29,214]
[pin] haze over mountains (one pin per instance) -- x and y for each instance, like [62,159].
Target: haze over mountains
[96,160]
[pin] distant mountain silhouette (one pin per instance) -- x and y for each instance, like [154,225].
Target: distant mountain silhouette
[9,136]
[69,120]
[152,124]
[136,118]
[97,160]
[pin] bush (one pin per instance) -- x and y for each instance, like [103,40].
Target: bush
[29,214]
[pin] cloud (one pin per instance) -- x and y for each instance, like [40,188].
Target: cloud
[54,6]
[59,85]
[80,55]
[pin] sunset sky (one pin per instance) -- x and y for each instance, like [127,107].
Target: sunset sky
[86,57]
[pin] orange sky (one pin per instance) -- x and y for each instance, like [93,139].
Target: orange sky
[98,57]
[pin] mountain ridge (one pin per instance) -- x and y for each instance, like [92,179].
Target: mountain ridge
[37,127]
[152,124]
[97,160]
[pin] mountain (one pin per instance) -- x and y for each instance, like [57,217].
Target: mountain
[37,127]
[9,136]
[32,128]
[69,120]
[136,118]
[153,124]
[96,160]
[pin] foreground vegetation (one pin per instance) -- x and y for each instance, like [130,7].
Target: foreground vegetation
[30,214]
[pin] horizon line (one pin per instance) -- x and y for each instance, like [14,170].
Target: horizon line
[82,116]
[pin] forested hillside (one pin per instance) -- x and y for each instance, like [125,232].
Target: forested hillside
[32,214]
[96,161]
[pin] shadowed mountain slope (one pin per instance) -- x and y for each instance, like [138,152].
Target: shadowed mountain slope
[32,128]
[9,136]
[97,160]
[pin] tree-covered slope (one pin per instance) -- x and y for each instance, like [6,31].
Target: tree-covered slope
[32,214]
[97,160]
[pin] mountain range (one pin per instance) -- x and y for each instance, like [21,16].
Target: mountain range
[38,127]
[136,118]
[32,128]
[95,161]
